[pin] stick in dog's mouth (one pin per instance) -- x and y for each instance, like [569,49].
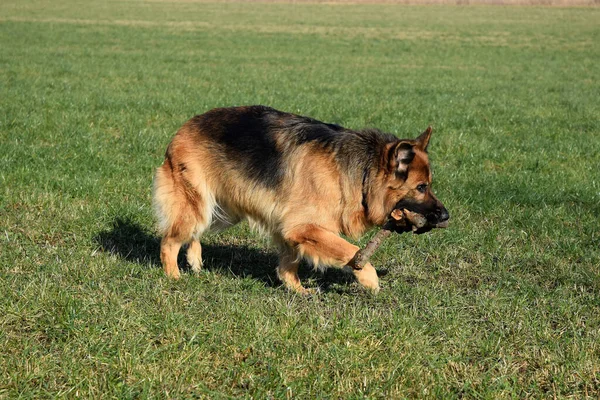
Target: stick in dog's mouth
[401,220]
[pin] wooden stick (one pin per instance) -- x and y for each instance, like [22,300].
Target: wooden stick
[398,219]
[362,256]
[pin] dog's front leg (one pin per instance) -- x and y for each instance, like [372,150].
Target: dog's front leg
[324,247]
[367,276]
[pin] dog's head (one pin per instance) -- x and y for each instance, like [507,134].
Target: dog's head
[405,181]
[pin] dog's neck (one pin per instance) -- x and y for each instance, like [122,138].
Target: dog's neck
[358,153]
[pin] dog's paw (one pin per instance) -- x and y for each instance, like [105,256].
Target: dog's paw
[309,291]
[367,277]
[195,264]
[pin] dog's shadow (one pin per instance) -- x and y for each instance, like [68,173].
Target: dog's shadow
[129,240]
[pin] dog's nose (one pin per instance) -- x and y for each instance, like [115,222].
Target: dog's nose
[444,216]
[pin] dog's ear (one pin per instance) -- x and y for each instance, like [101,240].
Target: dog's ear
[423,139]
[401,155]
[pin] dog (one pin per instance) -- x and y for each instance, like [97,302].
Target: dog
[302,181]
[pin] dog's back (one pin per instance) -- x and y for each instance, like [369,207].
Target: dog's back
[300,180]
[258,163]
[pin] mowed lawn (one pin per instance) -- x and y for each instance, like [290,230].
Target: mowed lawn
[503,304]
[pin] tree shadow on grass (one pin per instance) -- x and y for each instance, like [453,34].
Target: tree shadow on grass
[130,241]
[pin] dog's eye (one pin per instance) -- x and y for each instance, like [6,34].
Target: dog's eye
[422,187]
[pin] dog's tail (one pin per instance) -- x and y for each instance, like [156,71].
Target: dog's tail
[182,209]
[165,197]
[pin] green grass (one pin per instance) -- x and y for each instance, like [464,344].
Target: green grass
[503,304]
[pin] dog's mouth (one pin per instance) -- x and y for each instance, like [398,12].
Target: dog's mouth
[438,220]
[403,220]
[428,227]
[422,217]
[443,224]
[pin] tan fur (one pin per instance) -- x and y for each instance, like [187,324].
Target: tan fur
[367,276]
[197,189]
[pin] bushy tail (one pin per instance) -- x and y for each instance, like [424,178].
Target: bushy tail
[164,197]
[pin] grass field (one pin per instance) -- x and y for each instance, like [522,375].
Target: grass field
[503,304]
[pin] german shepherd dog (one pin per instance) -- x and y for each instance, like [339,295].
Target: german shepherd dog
[302,181]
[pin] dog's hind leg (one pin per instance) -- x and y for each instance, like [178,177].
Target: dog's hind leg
[183,215]
[220,218]
[177,235]
[194,255]
[169,248]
